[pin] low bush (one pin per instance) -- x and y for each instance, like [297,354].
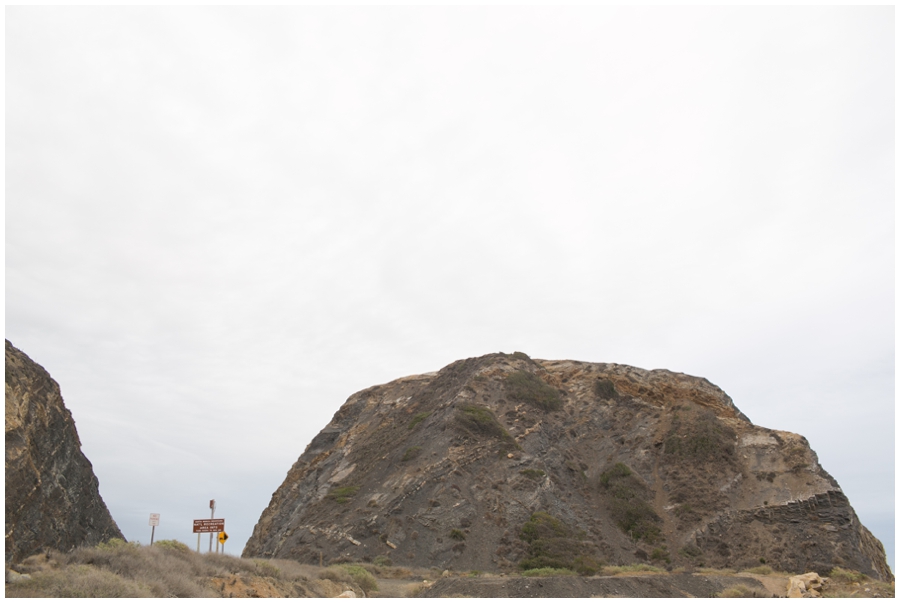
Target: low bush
[172,545]
[701,438]
[660,554]
[839,574]
[80,581]
[739,591]
[614,570]
[605,390]
[114,544]
[343,494]
[522,386]
[418,418]
[548,571]
[691,550]
[534,474]
[626,498]
[456,534]
[552,544]
[617,471]
[362,577]
[479,421]
[266,569]
[411,453]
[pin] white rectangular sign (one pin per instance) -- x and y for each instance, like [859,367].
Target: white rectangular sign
[154,519]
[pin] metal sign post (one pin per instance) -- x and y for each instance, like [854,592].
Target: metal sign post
[154,521]
[212,513]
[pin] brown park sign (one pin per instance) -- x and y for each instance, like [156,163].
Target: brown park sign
[203,526]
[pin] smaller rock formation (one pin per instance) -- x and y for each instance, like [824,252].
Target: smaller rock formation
[52,495]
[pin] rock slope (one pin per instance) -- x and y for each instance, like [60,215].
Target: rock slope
[52,495]
[503,461]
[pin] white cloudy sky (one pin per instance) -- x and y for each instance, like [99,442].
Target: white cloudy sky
[221,222]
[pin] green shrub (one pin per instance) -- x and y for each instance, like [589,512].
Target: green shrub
[691,550]
[81,581]
[456,534]
[527,387]
[362,577]
[382,561]
[839,574]
[418,418]
[548,571]
[619,470]
[411,453]
[614,570]
[660,554]
[552,544]
[343,494]
[702,438]
[264,568]
[534,474]
[115,543]
[172,545]
[605,390]
[543,525]
[739,591]
[479,421]
[586,565]
[627,502]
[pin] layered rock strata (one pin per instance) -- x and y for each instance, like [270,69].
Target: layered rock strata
[52,495]
[503,461]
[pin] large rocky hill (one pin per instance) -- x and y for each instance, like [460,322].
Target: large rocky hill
[52,495]
[503,461]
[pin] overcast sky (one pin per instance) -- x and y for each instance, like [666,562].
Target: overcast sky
[222,222]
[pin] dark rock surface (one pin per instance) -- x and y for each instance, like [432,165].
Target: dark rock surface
[52,495]
[503,462]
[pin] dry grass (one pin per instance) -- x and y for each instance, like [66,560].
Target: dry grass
[637,568]
[120,569]
[716,571]
[741,592]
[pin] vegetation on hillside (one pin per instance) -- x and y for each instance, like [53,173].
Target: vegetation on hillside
[342,494]
[479,422]
[605,390]
[125,569]
[701,437]
[522,386]
[553,544]
[626,497]
[171,569]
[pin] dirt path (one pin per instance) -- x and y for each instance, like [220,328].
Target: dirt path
[670,585]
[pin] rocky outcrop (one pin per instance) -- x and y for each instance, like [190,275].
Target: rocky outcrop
[52,495]
[503,461]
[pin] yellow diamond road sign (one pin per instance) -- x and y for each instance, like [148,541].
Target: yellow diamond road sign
[222,537]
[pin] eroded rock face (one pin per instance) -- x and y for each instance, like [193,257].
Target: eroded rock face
[503,461]
[52,495]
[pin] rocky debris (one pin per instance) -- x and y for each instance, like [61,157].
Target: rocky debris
[503,462]
[52,495]
[807,585]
